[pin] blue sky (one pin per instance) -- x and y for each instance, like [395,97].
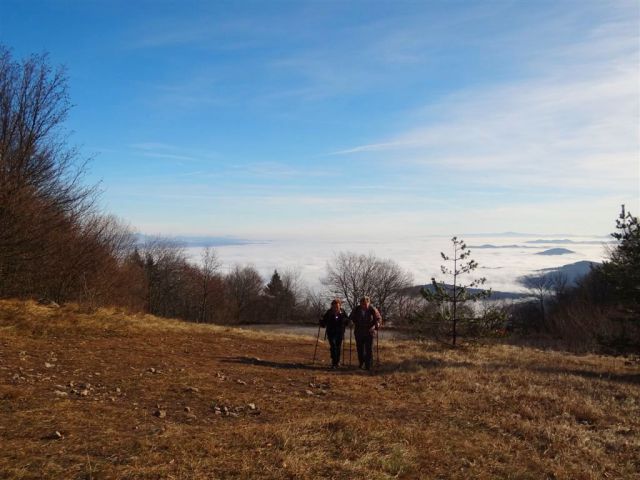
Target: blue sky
[324,119]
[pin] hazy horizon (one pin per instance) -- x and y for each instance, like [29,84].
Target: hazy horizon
[420,256]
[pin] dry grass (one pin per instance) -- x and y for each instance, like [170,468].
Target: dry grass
[427,412]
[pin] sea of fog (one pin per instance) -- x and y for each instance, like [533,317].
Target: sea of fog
[502,259]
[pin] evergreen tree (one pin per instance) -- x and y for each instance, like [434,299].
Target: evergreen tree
[455,294]
[281,300]
[622,270]
[275,287]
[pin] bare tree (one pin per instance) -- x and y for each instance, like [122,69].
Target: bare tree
[244,285]
[210,264]
[166,269]
[351,276]
[541,287]
[40,178]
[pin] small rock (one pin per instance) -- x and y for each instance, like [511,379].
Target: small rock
[56,436]
[308,392]
[118,390]
[84,392]
[192,389]
[160,413]
[252,406]
[48,365]
[151,370]
[60,393]
[187,409]
[241,382]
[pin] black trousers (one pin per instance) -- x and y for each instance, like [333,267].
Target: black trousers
[335,344]
[364,344]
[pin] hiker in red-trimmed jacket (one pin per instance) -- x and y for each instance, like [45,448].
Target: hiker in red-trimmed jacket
[366,321]
[335,321]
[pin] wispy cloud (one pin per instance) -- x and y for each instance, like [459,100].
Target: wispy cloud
[166,151]
[574,124]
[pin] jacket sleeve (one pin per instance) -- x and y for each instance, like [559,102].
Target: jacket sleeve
[345,319]
[377,318]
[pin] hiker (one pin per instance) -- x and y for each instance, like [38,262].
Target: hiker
[335,321]
[366,320]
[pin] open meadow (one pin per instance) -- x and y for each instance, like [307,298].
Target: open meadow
[102,394]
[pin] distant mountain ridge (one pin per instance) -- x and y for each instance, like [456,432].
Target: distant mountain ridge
[556,251]
[567,241]
[573,272]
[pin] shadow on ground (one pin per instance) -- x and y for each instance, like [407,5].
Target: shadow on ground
[383,368]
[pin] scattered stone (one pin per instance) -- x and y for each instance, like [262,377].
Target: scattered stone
[192,389]
[48,365]
[56,436]
[60,393]
[84,392]
[118,390]
[151,370]
[241,382]
[160,413]
[308,392]
[187,409]
[252,406]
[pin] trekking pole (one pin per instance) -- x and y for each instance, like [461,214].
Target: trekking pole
[342,347]
[316,349]
[349,345]
[378,348]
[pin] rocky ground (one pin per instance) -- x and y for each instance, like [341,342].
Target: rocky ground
[107,395]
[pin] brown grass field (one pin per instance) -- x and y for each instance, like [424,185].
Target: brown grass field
[106,395]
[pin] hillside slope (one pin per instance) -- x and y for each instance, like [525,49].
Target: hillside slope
[106,395]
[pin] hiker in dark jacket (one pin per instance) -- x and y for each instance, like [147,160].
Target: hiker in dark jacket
[366,321]
[335,321]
